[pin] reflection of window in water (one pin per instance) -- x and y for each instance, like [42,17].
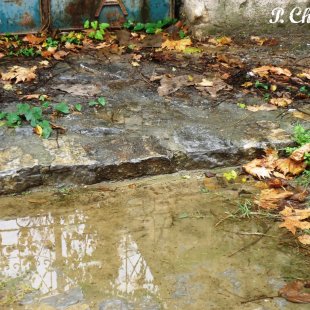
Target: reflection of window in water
[34,243]
[134,272]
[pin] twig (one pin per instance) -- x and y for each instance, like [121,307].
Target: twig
[258,298]
[223,219]
[251,243]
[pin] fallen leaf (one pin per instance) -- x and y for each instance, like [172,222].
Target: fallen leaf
[298,155]
[281,102]
[230,60]
[32,39]
[221,41]
[218,85]
[247,84]
[8,87]
[271,198]
[276,183]
[257,169]
[38,130]
[44,63]
[205,83]
[293,292]
[102,45]
[178,45]
[289,166]
[264,71]
[135,64]
[2,55]
[20,74]
[60,54]
[301,115]
[304,239]
[294,218]
[263,107]
[305,74]
[32,96]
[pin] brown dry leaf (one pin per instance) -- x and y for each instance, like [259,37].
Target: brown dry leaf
[276,183]
[263,107]
[44,63]
[32,96]
[221,41]
[230,60]
[293,292]
[264,71]
[32,39]
[281,102]
[71,46]
[298,155]
[247,84]
[271,198]
[102,45]
[169,85]
[218,85]
[304,239]
[136,57]
[205,83]
[264,41]
[178,45]
[60,54]
[257,169]
[2,55]
[135,64]
[294,218]
[20,74]
[289,166]
[301,115]
[304,74]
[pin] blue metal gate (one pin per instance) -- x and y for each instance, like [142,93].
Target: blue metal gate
[31,15]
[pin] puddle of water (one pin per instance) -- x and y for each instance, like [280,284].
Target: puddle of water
[148,245]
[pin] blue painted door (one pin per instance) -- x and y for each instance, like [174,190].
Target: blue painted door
[27,15]
[72,13]
[20,16]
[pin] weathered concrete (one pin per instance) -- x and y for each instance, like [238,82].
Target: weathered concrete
[246,16]
[138,133]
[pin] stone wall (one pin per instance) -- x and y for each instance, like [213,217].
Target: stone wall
[247,16]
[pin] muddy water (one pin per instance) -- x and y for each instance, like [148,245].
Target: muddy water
[148,244]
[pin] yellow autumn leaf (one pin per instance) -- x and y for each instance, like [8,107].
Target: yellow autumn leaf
[281,102]
[247,84]
[38,130]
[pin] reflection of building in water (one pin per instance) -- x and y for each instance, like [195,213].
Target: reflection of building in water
[134,273]
[32,244]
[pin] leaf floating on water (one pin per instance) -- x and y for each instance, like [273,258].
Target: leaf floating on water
[293,292]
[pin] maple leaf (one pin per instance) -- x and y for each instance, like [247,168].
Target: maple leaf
[178,45]
[298,155]
[281,102]
[32,39]
[289,166]
[60,54]
[20,74]
[271,198]
[217,86]
[264,71]
[293,219]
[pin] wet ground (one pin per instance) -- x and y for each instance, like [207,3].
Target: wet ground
[153,243]
[140,133]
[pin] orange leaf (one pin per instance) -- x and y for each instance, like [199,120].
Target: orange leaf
[60,54]
[289,166]
[298,155]
[38,130]
[293,292]
[20,74]
[271,198]
[32,39]
[293,219]
[264,71]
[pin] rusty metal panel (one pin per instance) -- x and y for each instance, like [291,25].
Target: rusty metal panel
[66,14]
[20,16]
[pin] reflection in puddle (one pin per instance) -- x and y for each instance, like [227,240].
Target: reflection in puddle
[32,245]
[134,272]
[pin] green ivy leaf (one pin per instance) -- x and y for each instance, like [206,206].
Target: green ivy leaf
[99,35]
[258,84]
[182,34]
[94,24]
[128,24]
[92,34]
[151,30]
[46,129]
[104,26]
[45,104]
[86,24]
[139,27]
[92,103]
[78,107]
[101,101]
[2,115]
[62,108]
[23,108]
[13,120]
